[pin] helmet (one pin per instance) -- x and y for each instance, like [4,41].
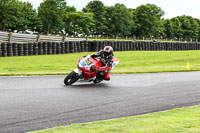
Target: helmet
[108,49]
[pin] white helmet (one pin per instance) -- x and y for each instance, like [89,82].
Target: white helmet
[108,49]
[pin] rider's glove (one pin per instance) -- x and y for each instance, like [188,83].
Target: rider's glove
[110,63]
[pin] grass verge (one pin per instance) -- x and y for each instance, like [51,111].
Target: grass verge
[130,62]
[180,120]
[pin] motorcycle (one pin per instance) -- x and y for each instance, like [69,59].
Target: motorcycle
[86,70]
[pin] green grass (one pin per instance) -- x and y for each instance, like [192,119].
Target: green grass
[180,120]
[130,62]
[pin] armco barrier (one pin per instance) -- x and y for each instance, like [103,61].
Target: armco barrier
[47,48]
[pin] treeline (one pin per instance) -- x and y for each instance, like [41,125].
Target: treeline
[56,17]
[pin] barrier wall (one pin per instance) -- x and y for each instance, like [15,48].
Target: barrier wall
[47,48]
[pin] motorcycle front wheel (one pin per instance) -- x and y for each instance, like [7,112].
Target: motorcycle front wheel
[71,78]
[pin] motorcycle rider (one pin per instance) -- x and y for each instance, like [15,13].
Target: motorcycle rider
[106,56]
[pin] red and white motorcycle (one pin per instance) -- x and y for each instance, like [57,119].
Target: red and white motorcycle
[85,70]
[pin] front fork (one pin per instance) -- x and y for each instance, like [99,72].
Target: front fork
[78,71]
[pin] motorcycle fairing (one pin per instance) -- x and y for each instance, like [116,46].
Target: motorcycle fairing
[115,62]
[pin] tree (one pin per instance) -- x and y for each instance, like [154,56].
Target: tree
[168,28]
[64,27]
[9,14]
[198,21]
[148,19]
[189,26]
[176,28]
[28,19]
[17,16]
[78,23]
[51,13]
[135,25]
[184,27]
[119,20]
[98,9]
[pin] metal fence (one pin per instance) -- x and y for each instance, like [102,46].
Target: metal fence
[26,38]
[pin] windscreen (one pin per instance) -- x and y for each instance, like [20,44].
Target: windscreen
[86,62]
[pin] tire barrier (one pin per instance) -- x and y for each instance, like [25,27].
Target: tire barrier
[40,48]
[26,53]
[117,46]
[54,48]
[10,49]
[89,46]
[86,45]
[62,47]
[82,46]
[198,46]
[75,47]
[48,48]
[30,49]
[78,46]
[35,49]
[71,47]
[20,49]
[94,46]
[67,48]
[45,48]
[58,48]
[4,49]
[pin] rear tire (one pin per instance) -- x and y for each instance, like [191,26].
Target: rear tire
[96,81]
[71,78]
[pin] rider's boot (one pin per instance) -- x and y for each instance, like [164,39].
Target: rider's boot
[107,76]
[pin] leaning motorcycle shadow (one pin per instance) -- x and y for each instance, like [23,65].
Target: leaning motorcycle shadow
[89,86]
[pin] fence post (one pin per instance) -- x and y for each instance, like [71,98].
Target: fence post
[64,38]
[10,37]
[38,38]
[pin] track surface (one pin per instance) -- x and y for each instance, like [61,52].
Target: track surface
[33,103]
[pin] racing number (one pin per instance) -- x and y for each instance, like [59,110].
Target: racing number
[88,62]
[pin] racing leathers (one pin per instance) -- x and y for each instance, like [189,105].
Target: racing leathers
[106,60]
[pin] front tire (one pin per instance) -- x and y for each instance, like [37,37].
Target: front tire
[71,78]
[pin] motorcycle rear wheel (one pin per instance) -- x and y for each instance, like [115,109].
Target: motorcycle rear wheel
[71,78]
[97,81]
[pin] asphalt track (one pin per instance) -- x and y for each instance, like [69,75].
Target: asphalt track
[40,102]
